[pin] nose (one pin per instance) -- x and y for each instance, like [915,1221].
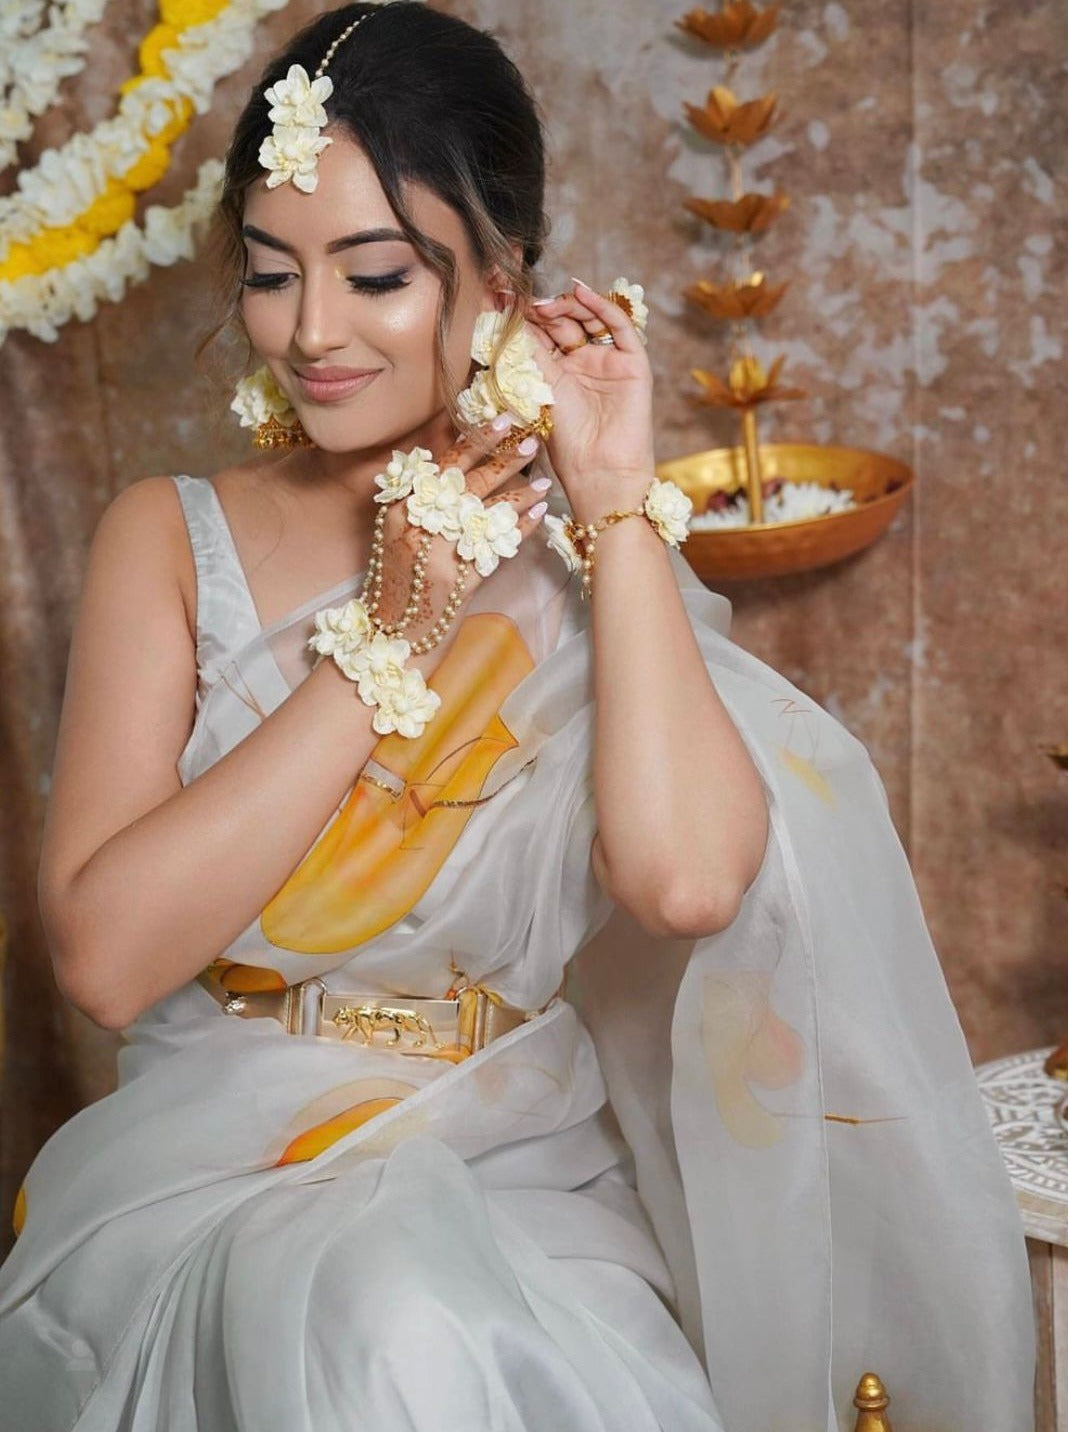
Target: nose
[321,323]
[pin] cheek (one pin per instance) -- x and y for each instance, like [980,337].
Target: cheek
[268,322]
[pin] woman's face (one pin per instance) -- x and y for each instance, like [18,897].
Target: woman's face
[333,288]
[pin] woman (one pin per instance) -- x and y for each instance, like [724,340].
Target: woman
[377,816]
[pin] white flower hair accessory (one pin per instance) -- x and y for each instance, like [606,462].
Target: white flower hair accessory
[291,150]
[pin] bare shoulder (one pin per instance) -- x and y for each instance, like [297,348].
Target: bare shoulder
[142,531]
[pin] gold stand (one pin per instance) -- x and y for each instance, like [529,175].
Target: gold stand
[871,1400]
[754,477]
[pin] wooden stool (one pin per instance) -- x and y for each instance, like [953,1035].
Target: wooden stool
[1021,1100]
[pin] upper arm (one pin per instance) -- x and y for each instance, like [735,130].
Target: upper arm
[129,699]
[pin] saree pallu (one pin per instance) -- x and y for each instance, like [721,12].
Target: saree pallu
[703,1192]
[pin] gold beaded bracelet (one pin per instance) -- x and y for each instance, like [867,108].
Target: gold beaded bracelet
[583,537]
[665,505]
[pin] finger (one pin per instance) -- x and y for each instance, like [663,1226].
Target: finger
[531,507]
[611,316]
[496,469]
[562,321]
[523,498]
[473,444]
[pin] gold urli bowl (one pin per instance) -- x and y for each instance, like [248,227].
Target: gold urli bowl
[771,549]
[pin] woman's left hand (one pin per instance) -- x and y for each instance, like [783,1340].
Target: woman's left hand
[601,445]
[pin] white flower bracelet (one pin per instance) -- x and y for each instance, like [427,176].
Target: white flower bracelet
[666,507]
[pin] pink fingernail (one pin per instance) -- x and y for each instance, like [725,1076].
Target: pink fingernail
[502,422]
[528,446]
[539,510]
[537,302]
[541,484]
[582,284]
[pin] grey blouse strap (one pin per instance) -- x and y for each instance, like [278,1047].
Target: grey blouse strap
[226,613]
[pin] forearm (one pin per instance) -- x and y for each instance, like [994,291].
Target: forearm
[159,899]
[682,816]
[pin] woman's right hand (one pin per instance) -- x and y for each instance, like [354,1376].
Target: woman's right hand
[487,472]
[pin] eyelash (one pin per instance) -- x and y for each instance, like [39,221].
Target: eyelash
[383,283]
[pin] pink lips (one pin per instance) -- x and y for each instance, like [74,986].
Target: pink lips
[330,385]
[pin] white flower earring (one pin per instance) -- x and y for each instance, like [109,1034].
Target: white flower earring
[519,380]
[261,405]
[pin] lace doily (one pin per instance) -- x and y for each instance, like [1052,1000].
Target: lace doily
[1022,1102]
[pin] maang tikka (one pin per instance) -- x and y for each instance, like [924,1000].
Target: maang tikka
[290,152]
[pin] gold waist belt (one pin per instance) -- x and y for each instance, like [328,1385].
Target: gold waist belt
[448,1028]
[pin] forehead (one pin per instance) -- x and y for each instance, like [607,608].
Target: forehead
[348,198]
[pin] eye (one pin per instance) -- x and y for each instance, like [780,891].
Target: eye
[266,280]
[377,283]
[380,283]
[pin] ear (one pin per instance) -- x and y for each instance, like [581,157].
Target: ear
[497,285]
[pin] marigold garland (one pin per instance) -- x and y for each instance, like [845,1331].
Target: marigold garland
[84,191]
[35,59]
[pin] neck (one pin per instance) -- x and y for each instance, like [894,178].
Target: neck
[356,471]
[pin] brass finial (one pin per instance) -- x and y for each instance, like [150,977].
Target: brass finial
[871,1399]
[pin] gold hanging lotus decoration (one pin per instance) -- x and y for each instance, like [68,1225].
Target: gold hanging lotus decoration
[736,300]
[748,214]
[747,385]
[841,498]
[725,120]
[737,24]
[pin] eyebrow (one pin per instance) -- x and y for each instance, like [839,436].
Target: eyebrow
[350,241]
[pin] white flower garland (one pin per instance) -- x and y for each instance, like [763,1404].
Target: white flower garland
[32,65]
[42,303]
[71,178]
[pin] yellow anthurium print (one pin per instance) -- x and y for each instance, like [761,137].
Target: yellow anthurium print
[380,853]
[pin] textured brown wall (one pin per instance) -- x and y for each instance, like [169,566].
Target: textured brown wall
[921,144]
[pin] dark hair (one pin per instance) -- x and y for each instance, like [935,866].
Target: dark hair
[429,99]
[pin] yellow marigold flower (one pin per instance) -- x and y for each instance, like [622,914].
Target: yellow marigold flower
[183,13]
[183,115]
[48,249]
[108,214]
[18,263]
[158,39]
[150,168]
